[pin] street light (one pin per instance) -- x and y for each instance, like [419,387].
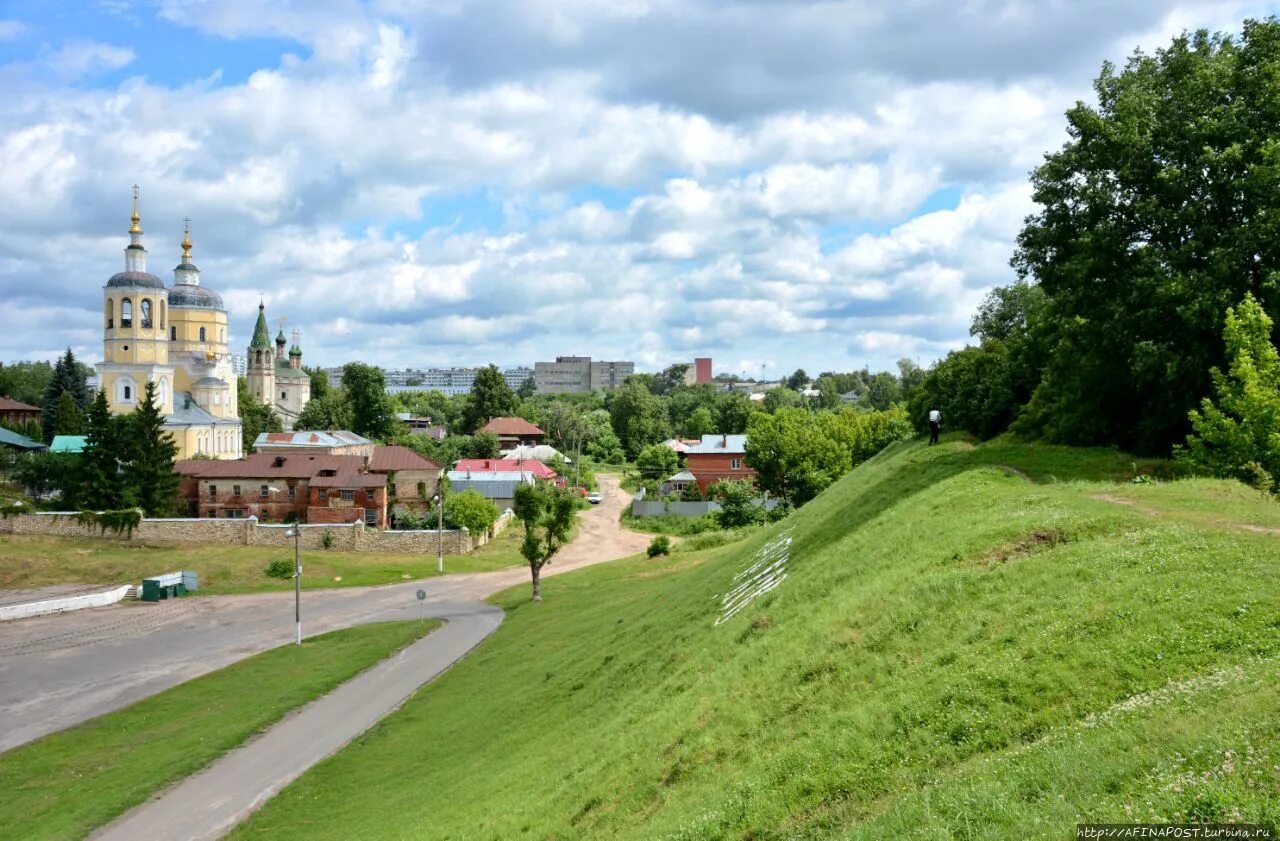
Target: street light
[438,502]
[296,534]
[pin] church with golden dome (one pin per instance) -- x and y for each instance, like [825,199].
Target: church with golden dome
[177,338]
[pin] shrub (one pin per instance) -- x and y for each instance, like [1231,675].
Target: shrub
[471,511]
[327,540]
[280,568]
[660,545]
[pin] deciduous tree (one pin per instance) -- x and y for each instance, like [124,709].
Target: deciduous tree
[547,513]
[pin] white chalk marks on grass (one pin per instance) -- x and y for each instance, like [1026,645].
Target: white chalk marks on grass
[768,569]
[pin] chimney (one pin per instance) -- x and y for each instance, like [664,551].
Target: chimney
[724,441]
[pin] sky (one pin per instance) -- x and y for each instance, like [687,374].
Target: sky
[776,184]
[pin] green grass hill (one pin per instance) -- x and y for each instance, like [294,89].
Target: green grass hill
[963,641]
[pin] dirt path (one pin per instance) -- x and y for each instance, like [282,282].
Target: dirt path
[56,671]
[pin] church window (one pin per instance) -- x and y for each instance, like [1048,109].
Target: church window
[126,312]
[173,334]
[284,396]
[146,313]
[202,334]
[162,391]
[111,313]
[163,307]
[128,395]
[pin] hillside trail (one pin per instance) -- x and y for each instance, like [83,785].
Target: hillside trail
[1156,512]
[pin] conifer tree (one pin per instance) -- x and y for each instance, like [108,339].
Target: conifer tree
[100,482]
[150,481]
[68,376]
[67,417]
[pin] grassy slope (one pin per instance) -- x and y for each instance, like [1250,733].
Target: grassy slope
[66,784]
[31,561]
[957,652]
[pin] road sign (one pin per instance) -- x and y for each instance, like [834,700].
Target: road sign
[422,594]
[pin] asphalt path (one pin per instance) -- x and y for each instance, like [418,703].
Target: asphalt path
[56,671]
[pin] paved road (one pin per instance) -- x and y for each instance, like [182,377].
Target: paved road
[56,671]
[207,804]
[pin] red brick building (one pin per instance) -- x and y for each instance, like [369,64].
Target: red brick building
[348,495]
[719,457]
[272,487]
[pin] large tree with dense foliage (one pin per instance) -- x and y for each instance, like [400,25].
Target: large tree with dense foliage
[639,417]
[1160,212]
[1236,433]
[491,397]
[365,387]
[333,411]
[471,511]
[25,382]
[255,418]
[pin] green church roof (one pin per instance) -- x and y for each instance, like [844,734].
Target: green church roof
[280,339]
[261,335]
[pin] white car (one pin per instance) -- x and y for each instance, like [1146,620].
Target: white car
[595,498]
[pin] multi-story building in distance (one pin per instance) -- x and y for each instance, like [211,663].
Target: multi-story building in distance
[517,376]
[579,373]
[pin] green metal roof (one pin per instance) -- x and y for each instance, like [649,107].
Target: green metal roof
[261,335]
[21,442]
[280,339]
[68,443]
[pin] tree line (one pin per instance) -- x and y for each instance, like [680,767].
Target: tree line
[1150,266]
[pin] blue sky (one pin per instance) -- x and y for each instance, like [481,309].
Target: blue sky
[775,184]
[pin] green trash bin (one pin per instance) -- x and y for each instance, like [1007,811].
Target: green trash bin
[151,590]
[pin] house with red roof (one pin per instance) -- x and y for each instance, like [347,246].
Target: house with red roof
[537,469]
[514,432]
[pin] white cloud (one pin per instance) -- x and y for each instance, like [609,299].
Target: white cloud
[77,59]
[11,29]
[652,179]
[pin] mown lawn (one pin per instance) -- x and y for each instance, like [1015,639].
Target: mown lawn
[36,561]
[970,642]
[66,784]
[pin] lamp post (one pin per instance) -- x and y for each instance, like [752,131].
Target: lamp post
[296,534]
[438,501]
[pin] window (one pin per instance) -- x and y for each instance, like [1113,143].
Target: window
[146,313]
[202,334]
[213,492]
[284,396]
[291,492]
[211,513]
[235,513]
[264,491]
[235,490]
[348,496]
[324,495]
[126,313]
[735,464]
[128,393]
[162,309]
[173,334]
[371,516]
[111,313]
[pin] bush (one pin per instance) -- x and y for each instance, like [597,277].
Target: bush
[471,511]
[327,540]
[712,539]
[660,545]
[737,504]
[280,568]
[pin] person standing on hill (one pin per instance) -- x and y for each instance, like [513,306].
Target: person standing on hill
[935,425]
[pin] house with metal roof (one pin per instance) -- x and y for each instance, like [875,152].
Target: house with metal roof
[513,432]
[11,440]
[496,485]
[335,442]
[68,443]
[719,458]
